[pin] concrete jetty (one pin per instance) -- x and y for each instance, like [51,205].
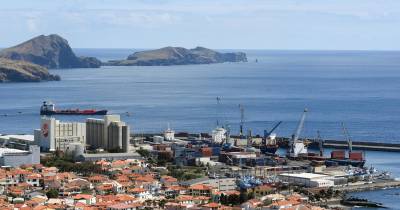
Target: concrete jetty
[313,143]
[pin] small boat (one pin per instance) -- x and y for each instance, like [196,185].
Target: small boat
[49,109]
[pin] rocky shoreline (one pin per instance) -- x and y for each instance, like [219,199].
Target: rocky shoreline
[21,71]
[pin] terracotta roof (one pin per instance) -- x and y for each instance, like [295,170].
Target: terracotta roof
[34,176]
[124,206]
[105,198]
[97,178]
[136,190]
[200,187]
[82,196]
[146,178]
[230,192]
[205,198]
[212,205]
[175,188]
[125,197]
[184,198]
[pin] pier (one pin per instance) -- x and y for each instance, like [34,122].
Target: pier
[359,187]
[360,145]
[313,143]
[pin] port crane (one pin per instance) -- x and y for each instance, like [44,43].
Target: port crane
[297,146]
[249,138]
[241,108]
[268,133]
[320,144]
[346,134]
[217,110]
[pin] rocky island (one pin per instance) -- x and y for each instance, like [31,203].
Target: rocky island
[50,51]
[178,56]
[21,71]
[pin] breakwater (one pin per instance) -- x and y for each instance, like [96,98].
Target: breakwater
[312,143]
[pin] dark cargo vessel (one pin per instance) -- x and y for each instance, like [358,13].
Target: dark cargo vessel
[49,109]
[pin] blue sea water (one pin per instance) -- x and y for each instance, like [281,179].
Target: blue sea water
[388,197]
[359,88]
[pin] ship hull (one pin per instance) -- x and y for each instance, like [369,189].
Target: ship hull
[345,162]
[72,112]
[271,149]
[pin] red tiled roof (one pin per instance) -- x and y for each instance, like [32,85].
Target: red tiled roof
[200,187]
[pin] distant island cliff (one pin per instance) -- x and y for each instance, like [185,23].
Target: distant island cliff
[50,51]
[21,71]
[178,56]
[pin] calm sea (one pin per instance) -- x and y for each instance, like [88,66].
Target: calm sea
[359,88]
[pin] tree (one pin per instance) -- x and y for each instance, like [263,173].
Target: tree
[144,153]
[234,199]
[162,203]
[222,199]
[52,193]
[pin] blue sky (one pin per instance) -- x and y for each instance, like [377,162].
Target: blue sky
[225,24]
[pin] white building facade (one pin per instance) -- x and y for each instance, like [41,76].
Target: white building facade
[56,135]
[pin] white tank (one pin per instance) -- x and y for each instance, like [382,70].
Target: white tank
[158,139]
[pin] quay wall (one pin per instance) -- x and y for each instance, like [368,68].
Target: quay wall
[328,143]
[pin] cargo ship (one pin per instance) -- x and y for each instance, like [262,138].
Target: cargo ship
[48,108]
[269,145]
[338,157]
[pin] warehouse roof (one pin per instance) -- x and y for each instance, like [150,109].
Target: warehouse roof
[305,175]
[9,150]
[23,137]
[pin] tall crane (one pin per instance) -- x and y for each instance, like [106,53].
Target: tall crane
[217,110]
[296,146]
[249,138]
[241,120]
[346,134]
[320,144]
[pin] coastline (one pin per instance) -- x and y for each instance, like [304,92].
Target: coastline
[337,202]
[365,187]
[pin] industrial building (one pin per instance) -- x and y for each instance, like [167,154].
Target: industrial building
[222,184]
[109,133]
[56,135]
[307,179]
[19,141]
[107,156]
[15,157]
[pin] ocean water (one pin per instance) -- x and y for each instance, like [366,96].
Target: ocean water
[388,197]
[359,88]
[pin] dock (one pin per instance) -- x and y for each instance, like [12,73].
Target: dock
[313,143]
[360,145]
[342,144]
[361,187]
